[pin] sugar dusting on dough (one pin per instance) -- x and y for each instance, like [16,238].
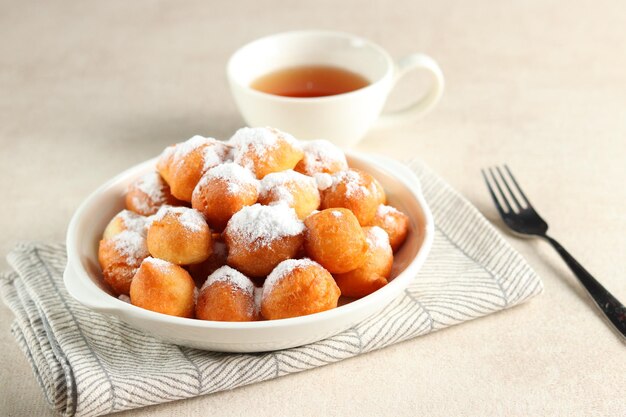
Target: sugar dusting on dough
[352,181]
[131,245]
[160,264]
[190,219]
[320,155]
[214,154]
[133,221]
[259,226]
[278,185]
[384,210]
[336,213]
[258,298]
[377,237]
[152,185]
[234,174]
[183,149]
[257,140]
[323,180]
[232,277]
[282,269]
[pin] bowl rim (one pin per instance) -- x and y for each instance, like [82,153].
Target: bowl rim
[78,280]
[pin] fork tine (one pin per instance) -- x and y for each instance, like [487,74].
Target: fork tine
[502,195]
[508,187]
[519,189]
[493,195]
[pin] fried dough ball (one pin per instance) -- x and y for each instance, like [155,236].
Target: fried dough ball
[321,156]
[296,190]
[264,150]
[334,238]
[163,287]
[119,258]
[227,295]
[223,191]
[394,222]
[260,237]
[182,165]
[148,193]
[374,272]
[179,235]
[355,190]
[125,220]
[200,272]
[297,287]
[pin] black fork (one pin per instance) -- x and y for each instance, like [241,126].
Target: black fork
[522,218]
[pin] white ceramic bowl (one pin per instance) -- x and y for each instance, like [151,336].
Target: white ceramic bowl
[83,277]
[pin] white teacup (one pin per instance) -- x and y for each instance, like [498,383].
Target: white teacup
[342,118]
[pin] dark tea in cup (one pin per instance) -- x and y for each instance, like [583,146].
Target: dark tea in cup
[309,81]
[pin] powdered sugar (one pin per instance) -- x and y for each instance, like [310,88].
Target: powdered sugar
[230,276]
[236,176]
[180,151]
[214,151]
[352,181]
[160,264]
[259,225]
[124,298]
[258,298]
[336,213]
[168,152]
[261,138]
[131,245]
[320,155]
[282,269]
[259,141]
[152,185]
[149,220]
[384,210]
[323,180]
[377,237]
[214,154]
[190,219]
[277,185]
[132,221]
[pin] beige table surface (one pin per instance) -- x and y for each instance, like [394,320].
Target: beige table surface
[88,89]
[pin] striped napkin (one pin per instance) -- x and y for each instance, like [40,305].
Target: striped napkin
[89,365]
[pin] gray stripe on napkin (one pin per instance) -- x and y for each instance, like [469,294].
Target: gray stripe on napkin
[88,364]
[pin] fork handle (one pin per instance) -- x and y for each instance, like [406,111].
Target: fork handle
[610,306]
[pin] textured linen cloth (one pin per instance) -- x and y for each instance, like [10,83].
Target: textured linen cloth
[88,364]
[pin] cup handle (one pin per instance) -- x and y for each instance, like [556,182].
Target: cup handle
[424,104]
